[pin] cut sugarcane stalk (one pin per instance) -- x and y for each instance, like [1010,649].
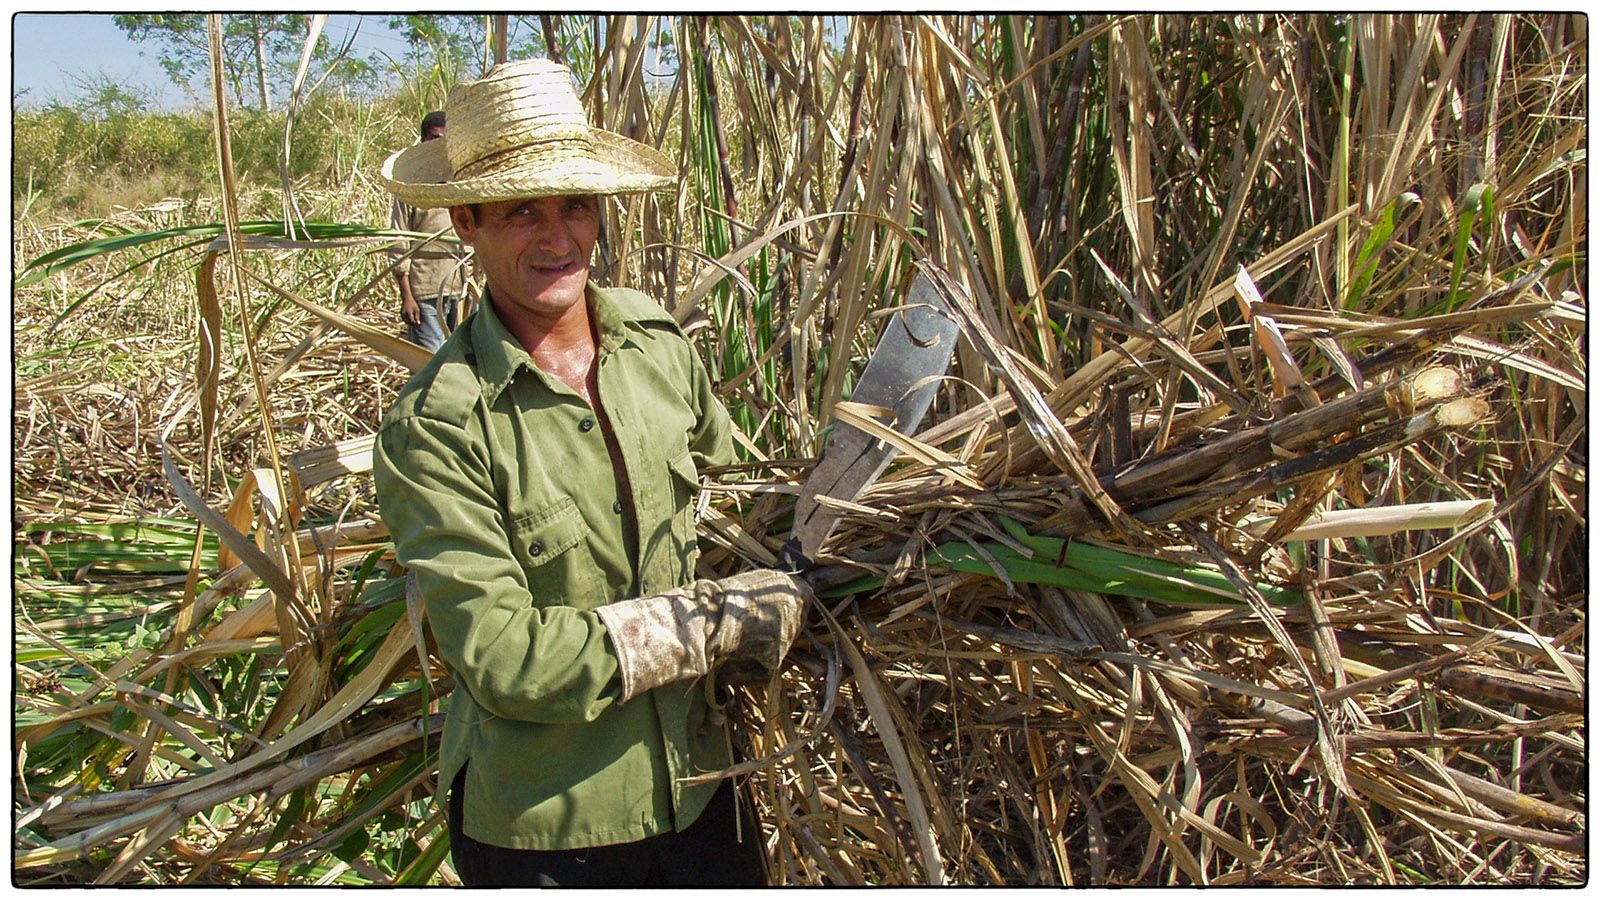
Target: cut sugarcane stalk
[1286,375]
[1378,520]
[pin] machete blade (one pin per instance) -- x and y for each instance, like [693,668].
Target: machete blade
[901,375]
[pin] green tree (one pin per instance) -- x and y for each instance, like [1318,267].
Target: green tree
[103,95]
[449,41]
[253,44]
[457,43]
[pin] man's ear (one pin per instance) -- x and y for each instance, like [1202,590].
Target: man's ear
[466,223]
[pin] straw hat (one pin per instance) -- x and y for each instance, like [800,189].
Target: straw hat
[517,132]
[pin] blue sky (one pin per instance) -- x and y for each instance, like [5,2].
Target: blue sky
[52,51]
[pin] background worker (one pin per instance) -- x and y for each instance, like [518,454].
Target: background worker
[433,279]
[538,476]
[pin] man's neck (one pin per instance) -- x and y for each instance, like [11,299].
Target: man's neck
[543,335]
[564,346]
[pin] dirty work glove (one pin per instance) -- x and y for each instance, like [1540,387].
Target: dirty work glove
[761,613]
[684,632]
[742,673]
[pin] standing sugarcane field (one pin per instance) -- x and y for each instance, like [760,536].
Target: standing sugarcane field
[1226,525]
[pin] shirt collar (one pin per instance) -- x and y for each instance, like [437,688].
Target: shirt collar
[499,355]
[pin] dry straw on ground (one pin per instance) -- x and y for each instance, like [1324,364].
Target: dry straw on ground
[1228,276]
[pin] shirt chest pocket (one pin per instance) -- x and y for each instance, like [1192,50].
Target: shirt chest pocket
[551,547]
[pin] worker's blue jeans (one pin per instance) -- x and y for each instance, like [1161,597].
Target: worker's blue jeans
[429,333]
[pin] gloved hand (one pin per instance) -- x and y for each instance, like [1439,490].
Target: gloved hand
[761,613]
[742,673]
[684,632]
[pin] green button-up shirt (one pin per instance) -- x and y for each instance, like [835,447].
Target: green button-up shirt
[495,481]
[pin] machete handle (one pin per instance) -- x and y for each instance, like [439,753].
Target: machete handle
[793,560]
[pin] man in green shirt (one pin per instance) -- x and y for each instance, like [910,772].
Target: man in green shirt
[538,476]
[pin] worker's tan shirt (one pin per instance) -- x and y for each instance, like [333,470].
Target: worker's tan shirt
[438,268]
[495,480]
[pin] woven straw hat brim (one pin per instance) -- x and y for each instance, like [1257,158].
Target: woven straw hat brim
[421,175]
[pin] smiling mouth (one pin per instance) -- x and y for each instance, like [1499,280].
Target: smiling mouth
[555,271]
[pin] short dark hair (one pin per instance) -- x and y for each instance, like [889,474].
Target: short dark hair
[434,119]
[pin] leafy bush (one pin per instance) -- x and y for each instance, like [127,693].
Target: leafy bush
[80,161]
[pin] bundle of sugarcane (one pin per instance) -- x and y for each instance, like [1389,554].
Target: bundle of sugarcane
[1049,680]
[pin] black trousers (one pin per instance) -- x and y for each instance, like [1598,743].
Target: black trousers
[722,848]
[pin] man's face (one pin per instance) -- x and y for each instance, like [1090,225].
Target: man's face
[433,133]
[534,253]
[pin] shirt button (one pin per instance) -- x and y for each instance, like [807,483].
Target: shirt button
[586,424]
[536,548]
[617,507]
